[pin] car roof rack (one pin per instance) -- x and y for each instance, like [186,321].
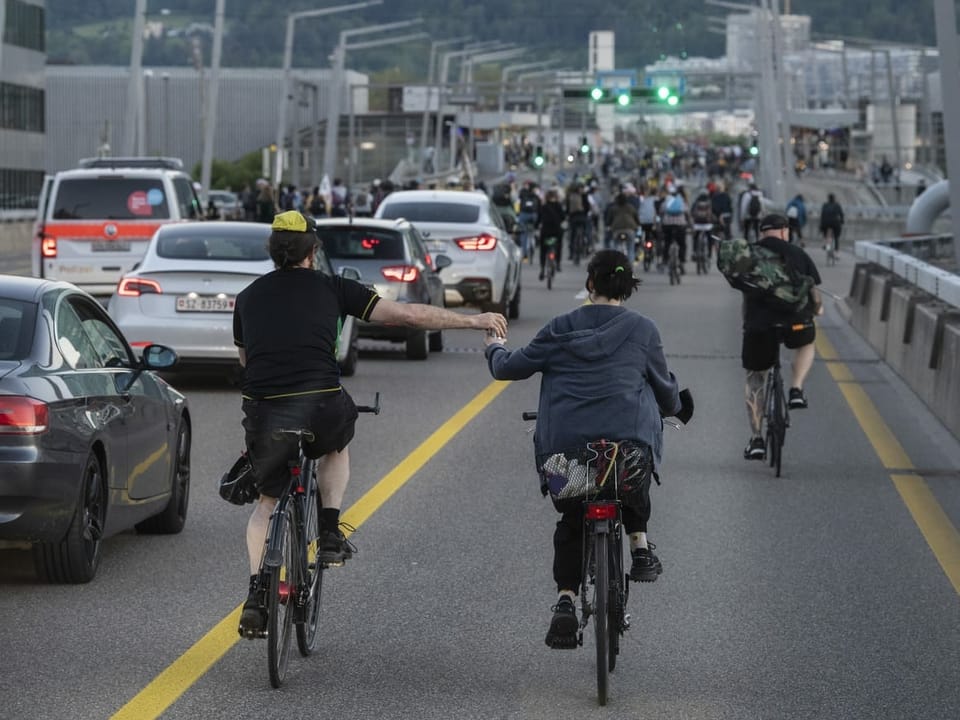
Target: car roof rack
[161,163]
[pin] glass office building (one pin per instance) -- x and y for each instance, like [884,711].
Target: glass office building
[22,105]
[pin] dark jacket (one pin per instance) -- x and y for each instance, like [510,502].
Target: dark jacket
[623,217]
[551,220]
[604,376]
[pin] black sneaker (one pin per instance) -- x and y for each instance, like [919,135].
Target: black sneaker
[333,548]
[562,634]
[798,401]
[756,449]
[253,618]
[541,274]
[646,566]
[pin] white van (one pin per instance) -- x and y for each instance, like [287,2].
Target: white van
[94,223]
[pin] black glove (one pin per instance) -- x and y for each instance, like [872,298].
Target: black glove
[686,406]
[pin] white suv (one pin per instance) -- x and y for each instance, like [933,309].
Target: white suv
[466,227]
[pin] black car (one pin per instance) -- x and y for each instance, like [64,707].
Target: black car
[92,441]
[391,257]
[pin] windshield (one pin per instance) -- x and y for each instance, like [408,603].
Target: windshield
[361,244]
[108,198]
[440,212]
[208,246]
[16,328]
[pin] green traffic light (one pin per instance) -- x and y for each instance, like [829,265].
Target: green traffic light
[623,99]
[673,100]
[538,161]
[596,94]
[754,150]
[663,93]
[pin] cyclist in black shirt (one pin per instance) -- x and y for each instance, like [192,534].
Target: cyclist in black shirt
[286,325]
[761,338]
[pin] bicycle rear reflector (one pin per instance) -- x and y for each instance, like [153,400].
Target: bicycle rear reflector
[601,511]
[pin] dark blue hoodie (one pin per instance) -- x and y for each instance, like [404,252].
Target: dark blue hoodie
[604,377]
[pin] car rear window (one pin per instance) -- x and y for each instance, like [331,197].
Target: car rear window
[442,212]
[362,244]
[207,246]
[16,328]
[109,198]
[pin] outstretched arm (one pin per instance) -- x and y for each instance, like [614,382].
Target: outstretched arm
[430,317]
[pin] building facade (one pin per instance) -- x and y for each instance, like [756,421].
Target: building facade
[22,103]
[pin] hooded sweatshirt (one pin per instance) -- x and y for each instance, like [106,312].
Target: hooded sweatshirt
[604,376]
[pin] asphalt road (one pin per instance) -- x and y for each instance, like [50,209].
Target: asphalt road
[815,595]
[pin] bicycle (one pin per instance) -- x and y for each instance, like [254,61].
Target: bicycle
[673,262]
[701,252]
[577,241]
[290,579]
[776,411]
[604,589]
[550,266]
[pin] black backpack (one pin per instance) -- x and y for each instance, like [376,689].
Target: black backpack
[754,207]
[501,195]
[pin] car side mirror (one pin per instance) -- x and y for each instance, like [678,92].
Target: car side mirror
[441,261]
[159,357]
[350,273]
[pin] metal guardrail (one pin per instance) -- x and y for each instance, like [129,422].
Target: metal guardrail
[907,258]
[17,215]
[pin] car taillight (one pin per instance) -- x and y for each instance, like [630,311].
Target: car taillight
[400,273]
[48,246]
[429,261]
[477,242]
[135,287]
[22,415]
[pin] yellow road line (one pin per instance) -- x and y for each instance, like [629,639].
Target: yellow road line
[170,684]
[937,529]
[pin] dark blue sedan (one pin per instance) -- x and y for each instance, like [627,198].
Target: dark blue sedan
[92,441]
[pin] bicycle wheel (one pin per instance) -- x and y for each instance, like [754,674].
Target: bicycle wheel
[617,601]
[601,600]
[308,605]
[281,597]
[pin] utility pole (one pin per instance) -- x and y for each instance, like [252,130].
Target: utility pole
[210,123]
[135,83]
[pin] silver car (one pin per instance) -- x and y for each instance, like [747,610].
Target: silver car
[183,292]
[466,227]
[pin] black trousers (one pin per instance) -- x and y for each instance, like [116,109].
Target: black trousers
[568,538]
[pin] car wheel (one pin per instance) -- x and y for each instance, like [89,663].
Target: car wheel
[417,345]
[349,365]
[515,304]
[75,558]
[174,516]
[436,341]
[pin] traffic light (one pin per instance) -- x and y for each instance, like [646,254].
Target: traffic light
[624,97]
[538,159]
[668,95]
[584,145]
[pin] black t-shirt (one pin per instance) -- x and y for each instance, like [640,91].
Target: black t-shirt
[759,315]
[288,323]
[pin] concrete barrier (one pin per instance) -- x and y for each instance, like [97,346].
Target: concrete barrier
[917,334]
[15,241]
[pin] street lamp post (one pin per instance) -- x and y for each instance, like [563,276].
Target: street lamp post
[210,122]
[336,87]
[287,71]
[430,90]
[441,87]
[135,86]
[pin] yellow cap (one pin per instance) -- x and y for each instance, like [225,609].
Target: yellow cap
[290,220]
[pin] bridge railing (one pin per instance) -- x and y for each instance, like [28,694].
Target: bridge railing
[922,261]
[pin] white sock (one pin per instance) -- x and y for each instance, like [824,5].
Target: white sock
[570,594]
[638,540]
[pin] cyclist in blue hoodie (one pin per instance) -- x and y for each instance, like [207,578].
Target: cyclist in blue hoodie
[604,375]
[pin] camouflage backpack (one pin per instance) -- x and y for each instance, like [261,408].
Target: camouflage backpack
[762,273]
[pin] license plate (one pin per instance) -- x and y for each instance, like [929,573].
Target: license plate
[188,303]
[110,246]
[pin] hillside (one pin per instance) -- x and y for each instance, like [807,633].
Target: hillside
[98,31]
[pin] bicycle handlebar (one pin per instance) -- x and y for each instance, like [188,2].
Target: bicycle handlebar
[529,415]
[375,408]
